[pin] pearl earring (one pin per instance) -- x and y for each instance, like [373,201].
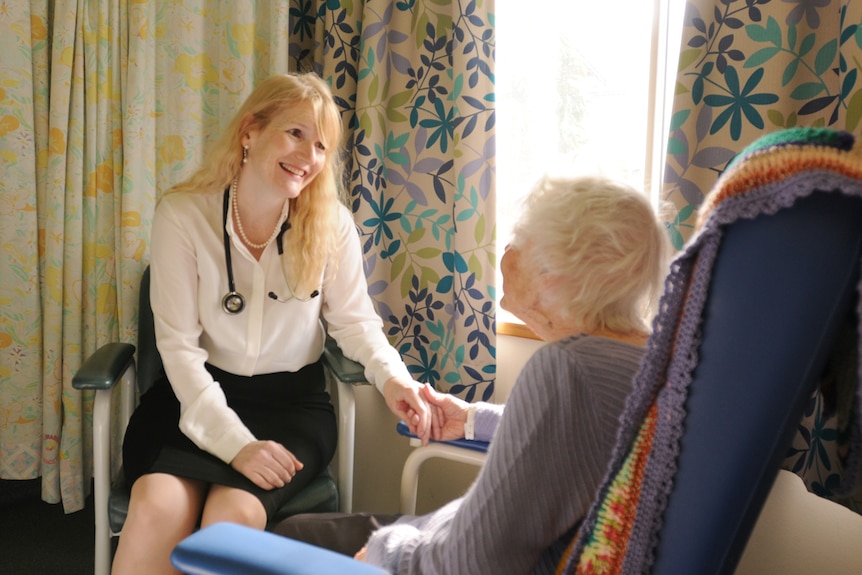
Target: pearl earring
[245,154]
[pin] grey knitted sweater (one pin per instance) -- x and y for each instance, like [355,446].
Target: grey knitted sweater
[548,455]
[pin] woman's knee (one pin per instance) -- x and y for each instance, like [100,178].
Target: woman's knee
[234,505]
[159,499]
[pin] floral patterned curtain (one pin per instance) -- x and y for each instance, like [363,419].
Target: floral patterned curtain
[751,66]
[748,67]
[71,230]
[104,104]
[415,82]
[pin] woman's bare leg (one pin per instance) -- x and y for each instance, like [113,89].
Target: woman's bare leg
[234,505]
[163,510]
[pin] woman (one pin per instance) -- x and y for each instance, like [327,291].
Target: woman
[247,256]
[584,272]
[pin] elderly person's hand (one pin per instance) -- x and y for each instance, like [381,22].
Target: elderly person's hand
[404,400]
[448,414]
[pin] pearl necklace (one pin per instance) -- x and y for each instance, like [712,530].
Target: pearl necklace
[239,227]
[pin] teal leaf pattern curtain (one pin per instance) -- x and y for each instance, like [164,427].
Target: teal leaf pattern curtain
[748,67]
[751,66]
[416,86]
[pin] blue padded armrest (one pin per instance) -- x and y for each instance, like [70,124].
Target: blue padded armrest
[103,369]
[344,369]
[473,444]
[228,549]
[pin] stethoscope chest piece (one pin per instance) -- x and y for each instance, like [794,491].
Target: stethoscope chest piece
[233,302]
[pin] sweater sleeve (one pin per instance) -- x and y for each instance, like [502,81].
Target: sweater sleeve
[488,416]
[546,460]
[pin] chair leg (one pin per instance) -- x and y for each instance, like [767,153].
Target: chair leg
[103,554]
[102,479]
[347,438]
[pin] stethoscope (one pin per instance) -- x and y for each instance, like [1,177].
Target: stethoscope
[233,302]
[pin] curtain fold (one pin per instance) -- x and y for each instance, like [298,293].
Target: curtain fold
[23,145]
[747,68]
[104,104]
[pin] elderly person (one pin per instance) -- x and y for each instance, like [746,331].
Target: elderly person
[583,271]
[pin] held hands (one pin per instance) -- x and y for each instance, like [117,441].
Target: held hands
[404,400]
[448,413]
[267,464]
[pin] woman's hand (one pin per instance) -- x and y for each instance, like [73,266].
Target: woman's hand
[267,464]
[404,400]
[449,414]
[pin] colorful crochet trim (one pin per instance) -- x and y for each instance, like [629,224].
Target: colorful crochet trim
[621,531]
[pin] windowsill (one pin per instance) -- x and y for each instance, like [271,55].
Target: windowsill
[508,324]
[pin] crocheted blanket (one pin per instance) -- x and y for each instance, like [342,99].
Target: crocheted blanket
[620,533]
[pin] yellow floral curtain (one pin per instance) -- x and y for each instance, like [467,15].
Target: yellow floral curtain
[64,222]
[106,103]
[103,105]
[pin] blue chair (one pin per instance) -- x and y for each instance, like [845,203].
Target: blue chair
[236,549]
[782,288]
[113,367]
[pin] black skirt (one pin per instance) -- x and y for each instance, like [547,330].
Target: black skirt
[292,408]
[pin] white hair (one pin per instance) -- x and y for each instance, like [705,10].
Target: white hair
[605,238]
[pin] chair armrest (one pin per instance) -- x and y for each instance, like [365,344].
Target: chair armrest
[473,444]
[229,548]
[469,451]
[103,369]
[345,370]
[111,368]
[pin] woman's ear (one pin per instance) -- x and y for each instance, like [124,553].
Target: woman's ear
[247,130]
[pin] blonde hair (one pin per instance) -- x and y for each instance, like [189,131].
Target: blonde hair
[314,213]
[604,238]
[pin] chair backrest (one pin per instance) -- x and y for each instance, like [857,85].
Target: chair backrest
[149,361]
[782,287]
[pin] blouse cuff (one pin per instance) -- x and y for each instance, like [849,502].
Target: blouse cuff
[383,372]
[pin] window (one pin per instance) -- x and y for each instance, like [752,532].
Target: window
[581,88]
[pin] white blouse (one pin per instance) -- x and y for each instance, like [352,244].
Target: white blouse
[189,280]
